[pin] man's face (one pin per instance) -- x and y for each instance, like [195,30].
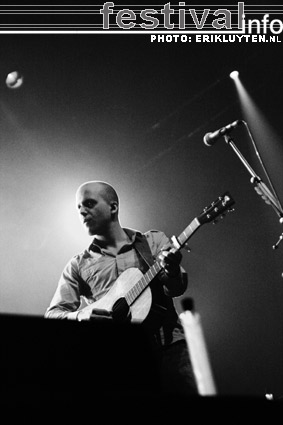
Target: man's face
[94,210]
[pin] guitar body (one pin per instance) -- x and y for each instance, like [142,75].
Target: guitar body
[126,281]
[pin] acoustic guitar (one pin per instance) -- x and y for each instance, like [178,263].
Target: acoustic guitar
[130,297]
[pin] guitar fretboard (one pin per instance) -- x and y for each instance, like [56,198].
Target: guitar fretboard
[153,271]
[143,283]
[188,232]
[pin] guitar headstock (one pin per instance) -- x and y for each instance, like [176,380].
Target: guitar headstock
[217,208]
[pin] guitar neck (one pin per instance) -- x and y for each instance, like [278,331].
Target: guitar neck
[154,270]
[188,232]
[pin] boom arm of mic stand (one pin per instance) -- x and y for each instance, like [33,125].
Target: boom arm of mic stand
[260,187]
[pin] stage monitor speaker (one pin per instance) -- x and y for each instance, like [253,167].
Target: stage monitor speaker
[49,355]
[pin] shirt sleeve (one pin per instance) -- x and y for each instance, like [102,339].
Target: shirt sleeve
[66,300]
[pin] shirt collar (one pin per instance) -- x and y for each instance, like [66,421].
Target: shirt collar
[132,234]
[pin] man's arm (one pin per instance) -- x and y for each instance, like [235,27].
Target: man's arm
[66,300]
[173,276]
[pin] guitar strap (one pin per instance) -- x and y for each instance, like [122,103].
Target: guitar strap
[161,303]
[143,249]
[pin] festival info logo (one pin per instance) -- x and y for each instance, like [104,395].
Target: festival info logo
[164,23]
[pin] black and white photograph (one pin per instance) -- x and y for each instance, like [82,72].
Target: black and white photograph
[141,163]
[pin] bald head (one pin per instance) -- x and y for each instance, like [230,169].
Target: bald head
[105,190]
[98,206]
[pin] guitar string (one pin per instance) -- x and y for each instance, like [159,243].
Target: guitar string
[136,290]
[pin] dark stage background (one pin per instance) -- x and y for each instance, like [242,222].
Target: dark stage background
[133,113]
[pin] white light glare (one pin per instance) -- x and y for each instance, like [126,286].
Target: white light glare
[234,75]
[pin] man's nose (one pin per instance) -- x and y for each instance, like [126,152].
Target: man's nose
[83,211]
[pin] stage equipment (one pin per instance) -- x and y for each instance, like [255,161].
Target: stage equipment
[269,196]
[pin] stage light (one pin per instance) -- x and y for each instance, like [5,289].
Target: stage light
[234,75]
[14,80]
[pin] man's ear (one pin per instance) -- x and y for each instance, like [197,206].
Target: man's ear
[114,207]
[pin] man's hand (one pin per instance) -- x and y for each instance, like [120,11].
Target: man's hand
[84,314]
[88,313]
[170,261]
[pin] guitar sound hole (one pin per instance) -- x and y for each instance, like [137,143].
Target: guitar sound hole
[121,311]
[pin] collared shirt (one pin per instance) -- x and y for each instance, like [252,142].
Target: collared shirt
[89,275]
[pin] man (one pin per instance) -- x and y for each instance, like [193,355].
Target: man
[92,276]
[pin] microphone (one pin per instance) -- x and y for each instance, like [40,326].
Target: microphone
[211,138]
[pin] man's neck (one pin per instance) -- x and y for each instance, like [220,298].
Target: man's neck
[115,238]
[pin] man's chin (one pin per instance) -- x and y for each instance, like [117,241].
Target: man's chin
[90,231]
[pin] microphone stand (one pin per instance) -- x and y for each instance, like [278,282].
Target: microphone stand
[259,186]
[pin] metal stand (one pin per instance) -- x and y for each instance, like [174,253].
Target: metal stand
[259,186]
